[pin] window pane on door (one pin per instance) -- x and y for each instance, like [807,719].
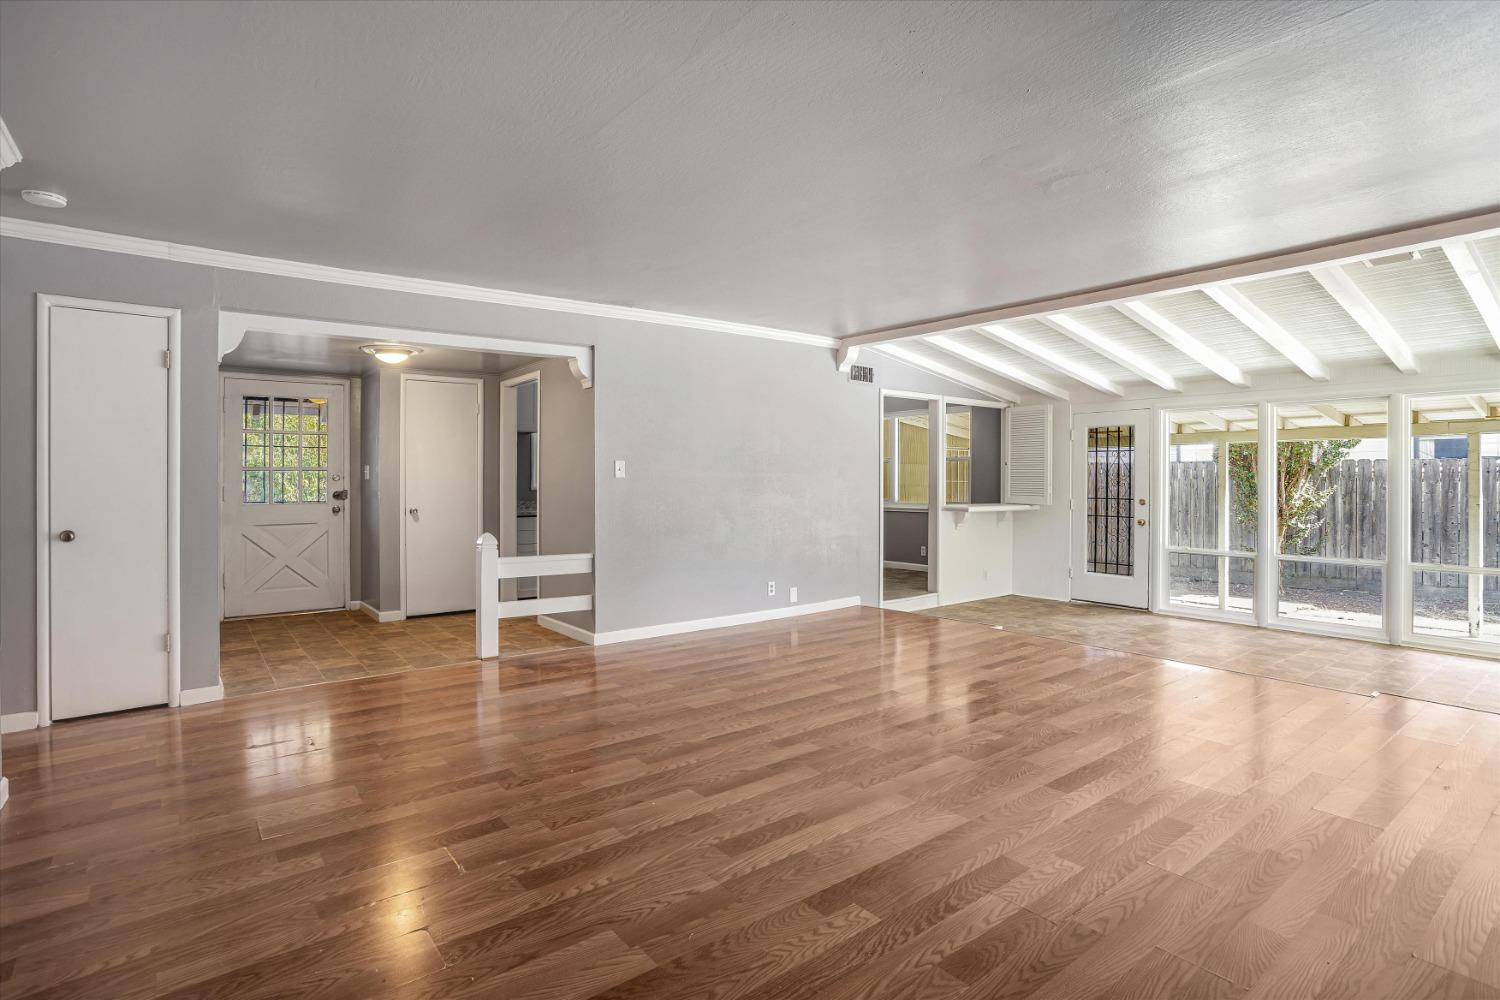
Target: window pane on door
[1111,492]
[288,464]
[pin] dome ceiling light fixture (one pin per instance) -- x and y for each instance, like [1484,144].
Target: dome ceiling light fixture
[44,199]
[391,354]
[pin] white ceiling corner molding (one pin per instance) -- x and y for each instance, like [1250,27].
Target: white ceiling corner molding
[10,153]
[233,325]
[89,239]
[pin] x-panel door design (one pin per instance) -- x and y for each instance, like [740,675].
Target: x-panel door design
[285,496]
[1111,512]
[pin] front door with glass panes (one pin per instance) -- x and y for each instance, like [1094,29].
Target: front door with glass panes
[1111,512]
[285,496]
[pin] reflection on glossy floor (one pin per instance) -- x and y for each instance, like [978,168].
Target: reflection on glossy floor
[287,651]
[851,805]
[1341,664]
[901,583]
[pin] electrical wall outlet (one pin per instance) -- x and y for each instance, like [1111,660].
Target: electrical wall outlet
[619,468]
[770,588]
[367,473]
[792,595]
[924,550]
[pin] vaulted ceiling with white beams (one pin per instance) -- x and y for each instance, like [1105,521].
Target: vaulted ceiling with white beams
[1404,307]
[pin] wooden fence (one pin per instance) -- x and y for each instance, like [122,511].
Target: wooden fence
[1352,524]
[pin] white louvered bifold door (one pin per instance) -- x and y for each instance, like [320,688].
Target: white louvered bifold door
[1027,473]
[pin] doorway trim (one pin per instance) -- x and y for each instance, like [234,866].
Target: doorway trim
[507,471]
[45,303]
[478,383]
[932,598]
[352,458]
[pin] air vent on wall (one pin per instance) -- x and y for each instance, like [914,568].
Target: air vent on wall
[861,373]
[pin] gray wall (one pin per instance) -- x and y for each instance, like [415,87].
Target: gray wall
[368,491]
[984,452]
[748,460]
[905,534]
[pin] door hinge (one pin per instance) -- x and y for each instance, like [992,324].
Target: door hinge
[169,642]
[166,358]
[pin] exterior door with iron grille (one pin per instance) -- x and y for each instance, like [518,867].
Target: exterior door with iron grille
[1111,507]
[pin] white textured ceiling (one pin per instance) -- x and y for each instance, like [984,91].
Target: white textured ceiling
[823,167]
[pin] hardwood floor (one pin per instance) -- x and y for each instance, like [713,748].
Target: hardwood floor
[852,805]
[1341,664]
[277,652]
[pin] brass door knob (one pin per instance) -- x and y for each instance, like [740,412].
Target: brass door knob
[1141,521]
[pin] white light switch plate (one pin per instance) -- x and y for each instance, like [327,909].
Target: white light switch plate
[619,468]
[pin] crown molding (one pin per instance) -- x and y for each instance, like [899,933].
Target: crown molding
[90,239]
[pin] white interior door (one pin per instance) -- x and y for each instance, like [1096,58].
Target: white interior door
[107,511]
[1111,509]
[284,543]
[441,468]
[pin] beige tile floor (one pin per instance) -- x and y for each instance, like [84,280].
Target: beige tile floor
[1340,664]
[903,583]
[286,651]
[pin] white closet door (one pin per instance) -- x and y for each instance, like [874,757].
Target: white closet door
[441,471]
[107,511]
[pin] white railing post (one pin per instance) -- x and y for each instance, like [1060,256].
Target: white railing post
[487,603]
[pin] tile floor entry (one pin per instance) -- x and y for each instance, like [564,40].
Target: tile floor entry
[288,651]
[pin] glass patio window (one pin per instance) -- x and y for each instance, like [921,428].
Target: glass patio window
[1331,474]
[1455,524]
[1211,511]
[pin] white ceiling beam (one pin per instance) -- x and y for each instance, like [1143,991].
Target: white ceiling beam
[1478,405]
[1338,417]
[10,153]
[1485,224]
[1478,282]
[1337,283]
[1234,302]
[931,367]
[1120,355]
[998,366]
[1042,354]
[1210,420]
[1142,313]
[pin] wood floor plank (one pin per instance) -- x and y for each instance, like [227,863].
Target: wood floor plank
[859,804]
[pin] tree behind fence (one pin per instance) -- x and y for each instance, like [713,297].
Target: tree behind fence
[1352,524]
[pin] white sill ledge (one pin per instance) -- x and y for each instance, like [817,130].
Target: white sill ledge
[982,507]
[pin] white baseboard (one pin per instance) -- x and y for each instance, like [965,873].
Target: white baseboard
[199,696]
[563,628]
[4,792]
[377,614]
[1038,597]
[724,621]
[18,721]
[892,564]
[921,602]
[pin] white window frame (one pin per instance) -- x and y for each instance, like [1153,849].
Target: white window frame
[1397,566]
